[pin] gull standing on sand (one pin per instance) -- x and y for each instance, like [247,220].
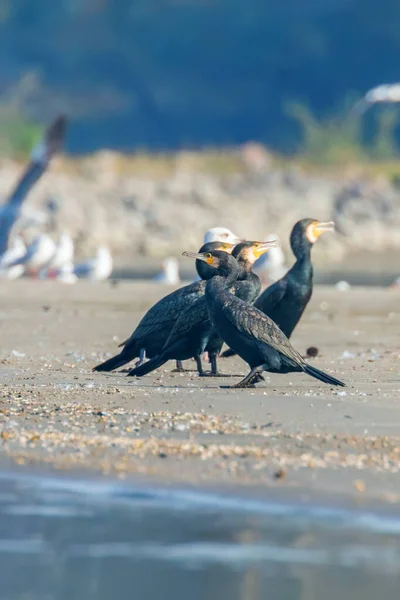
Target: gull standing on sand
[64,254]
[66,274]
[169,272]
[98,268]
[41,156]
[38,254]
[16,251]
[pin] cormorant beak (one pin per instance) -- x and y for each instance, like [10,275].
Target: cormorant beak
[206,257]
[263,247]
[317,228]
[320,227]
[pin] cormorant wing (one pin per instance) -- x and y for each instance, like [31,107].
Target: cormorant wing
[167,310]
[272,296]
[41,156]
[253,323]
[191,316]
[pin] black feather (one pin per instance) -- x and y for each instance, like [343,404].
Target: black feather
[314,372]
[148,366]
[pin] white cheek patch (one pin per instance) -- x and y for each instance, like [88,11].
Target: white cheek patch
[250,255]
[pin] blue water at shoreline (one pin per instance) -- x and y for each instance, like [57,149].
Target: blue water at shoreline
[72,538]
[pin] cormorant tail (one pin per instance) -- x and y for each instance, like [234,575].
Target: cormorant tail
[228,353]
[114,363]
[149,366]
[322,376]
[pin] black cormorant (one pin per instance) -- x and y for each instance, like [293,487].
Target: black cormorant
[247,330]
[150,335]
[247,288]
[193,332]
[285,300]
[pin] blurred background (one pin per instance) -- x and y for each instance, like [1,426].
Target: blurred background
[189,114]
[172,74]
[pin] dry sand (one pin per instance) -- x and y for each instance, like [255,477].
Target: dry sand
[291,432]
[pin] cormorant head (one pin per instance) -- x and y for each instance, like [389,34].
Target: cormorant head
[221,263]
[203,269]
[247,253]
[306,232]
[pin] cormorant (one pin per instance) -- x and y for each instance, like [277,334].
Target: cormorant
[247,287]
[247,330]
[150,335]
[285,300]
[193,332]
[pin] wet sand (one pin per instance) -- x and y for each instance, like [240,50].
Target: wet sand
[290,433]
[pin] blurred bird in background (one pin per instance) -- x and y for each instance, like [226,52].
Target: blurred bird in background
[389,92]
[97,268]
[169,272]
[31,251]
[220,234]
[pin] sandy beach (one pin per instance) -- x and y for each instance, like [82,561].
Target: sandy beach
[291,432]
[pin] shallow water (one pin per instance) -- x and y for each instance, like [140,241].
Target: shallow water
[62,538]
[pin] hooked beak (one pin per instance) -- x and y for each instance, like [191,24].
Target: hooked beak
[196,255]
[323,226]
[264,247]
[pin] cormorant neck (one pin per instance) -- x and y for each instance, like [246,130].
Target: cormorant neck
[244,269]
[203,270]
[229,278]
[301,248]
[225,277]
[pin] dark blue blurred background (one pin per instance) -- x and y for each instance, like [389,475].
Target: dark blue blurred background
[172,73]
